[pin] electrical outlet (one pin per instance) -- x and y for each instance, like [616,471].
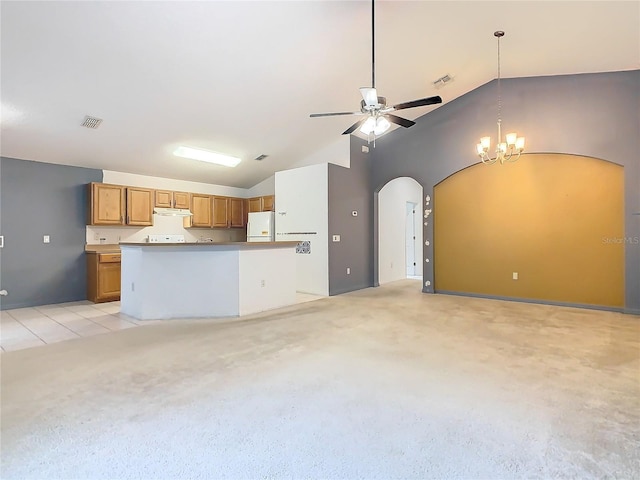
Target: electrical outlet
[46,239]
[96,236]
[515,275]
[336,238]
[348,271]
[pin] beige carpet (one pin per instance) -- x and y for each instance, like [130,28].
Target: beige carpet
[378,384]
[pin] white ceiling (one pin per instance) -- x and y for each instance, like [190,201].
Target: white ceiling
[242,77]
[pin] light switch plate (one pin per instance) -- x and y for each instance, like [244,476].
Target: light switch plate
[46,239]
[336,238]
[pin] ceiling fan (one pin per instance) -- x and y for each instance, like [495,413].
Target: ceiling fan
[378,116]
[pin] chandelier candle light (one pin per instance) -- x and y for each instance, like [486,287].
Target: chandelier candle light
[513,146]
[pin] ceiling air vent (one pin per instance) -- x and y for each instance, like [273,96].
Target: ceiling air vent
[261,157]
[442,81]
[91,122]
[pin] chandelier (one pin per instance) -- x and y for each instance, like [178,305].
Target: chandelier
[510,149]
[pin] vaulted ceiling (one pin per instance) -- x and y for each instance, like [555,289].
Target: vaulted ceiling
[242,77]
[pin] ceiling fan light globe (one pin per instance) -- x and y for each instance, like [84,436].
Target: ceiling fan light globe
[368,126]
[382,125]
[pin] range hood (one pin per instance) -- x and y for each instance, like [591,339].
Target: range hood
[172,212]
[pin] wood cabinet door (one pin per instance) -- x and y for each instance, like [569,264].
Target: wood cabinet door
[220,212]
[107,204]
[139,206]
[255,204]
[201,209]
[236,215]
[164,198]
[268,203]
[108,281]
[181,200]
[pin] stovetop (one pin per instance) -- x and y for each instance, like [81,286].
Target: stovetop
[159,238]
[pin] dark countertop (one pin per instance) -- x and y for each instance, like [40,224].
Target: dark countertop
[210,244]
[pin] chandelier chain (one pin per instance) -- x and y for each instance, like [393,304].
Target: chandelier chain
[499,87]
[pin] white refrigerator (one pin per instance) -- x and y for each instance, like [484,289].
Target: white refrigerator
[260,227]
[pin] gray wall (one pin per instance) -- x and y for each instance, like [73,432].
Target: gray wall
[596,115]
[39,199]
[349,190]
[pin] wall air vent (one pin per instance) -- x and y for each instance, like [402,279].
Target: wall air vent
[91,122]
[261,157]
[442,81]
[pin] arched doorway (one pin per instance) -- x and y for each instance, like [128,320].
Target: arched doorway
[399,230]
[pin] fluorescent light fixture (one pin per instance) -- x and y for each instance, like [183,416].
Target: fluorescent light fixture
[206,156]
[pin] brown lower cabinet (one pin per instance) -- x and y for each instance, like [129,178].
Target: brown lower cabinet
[103,277]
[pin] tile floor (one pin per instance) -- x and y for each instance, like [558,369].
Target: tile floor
[35,326]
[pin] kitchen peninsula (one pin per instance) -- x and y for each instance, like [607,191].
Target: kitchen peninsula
[191,280]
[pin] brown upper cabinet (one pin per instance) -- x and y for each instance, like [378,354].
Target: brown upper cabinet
[164,199]
[169,199]
[107,204]
[268,203]
[201,210]
[255,204]
[262,204]
[220,211]
[181,200]
[120,205]
[228,212]
[139,206]
[236,212]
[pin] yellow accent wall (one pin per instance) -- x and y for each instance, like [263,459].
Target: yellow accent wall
[556,220]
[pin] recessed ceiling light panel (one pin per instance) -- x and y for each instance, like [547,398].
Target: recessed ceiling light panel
[206,156]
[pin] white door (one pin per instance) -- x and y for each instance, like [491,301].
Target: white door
[410,239]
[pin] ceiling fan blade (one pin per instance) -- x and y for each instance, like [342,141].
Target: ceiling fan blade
[354,127]
[403,122]
[418,103]
[369,95]
[313,115]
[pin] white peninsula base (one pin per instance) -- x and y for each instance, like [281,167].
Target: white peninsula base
[162,281]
